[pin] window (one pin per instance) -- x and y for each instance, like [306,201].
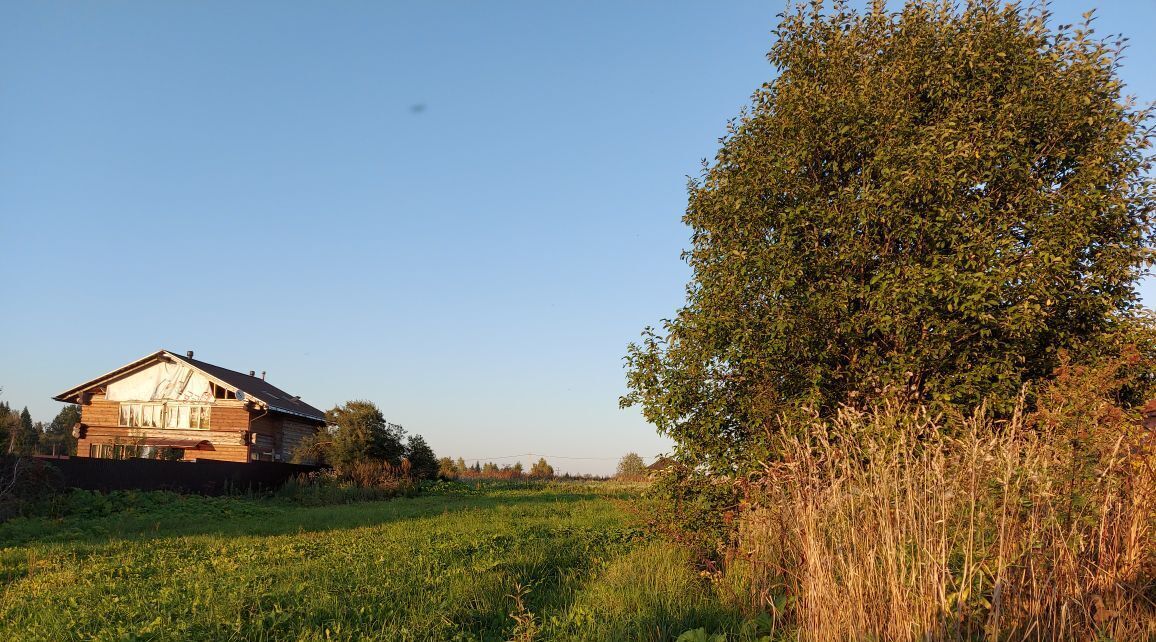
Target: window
[132,451]
[141,415]
[166,415]
[222,393]
[151,415]
[198,416]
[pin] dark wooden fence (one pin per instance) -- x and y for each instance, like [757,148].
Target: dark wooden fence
[203,477]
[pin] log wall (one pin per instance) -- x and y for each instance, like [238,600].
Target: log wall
[228,423]
[276,435]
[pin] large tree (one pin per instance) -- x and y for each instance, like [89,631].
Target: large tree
[931,203]
[24,435]
[362,433]
[57,438]
[422,460]
[541,469]
[631,466]
[8,422]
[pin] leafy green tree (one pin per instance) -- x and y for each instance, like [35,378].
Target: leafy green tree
[929,204]
[57,438]
[24,435]
[541,470]
[313,449]
[422,460]
[361,434]
[447,469]
[631,466]
[8,422]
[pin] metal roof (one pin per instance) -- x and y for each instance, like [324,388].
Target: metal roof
[257,388]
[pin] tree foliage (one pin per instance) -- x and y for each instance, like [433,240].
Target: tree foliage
[57,438]
[541,470]
[9,423]
[931,203]
[447,469]
[422,460]
[362,433]
[631,466]
[23,435]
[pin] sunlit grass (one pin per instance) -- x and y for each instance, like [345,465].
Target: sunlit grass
[442,566]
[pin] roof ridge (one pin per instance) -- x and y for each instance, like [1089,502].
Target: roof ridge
[236,372]
[278,394]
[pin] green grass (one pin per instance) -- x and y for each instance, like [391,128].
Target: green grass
[445,565]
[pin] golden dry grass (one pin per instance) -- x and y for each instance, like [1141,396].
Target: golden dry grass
[895,525]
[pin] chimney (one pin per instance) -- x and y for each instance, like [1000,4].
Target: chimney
[189,354]
[252,373]
[262,375]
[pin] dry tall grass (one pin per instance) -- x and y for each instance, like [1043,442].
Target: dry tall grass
[895,525]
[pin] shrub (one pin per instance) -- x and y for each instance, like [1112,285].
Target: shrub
[693,508]
[358,481]
[25,482]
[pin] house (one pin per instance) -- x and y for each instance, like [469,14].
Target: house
[660,464]
[169,406]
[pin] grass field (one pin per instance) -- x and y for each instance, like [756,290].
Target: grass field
[459,562]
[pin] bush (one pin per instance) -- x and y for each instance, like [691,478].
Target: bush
[24,483]
[693,508]
[359,481]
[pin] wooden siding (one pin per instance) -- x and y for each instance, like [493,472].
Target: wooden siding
[277,435]
[100,412]
[229,416]
[293,431]
[224,446]
[280,434]
[228,422]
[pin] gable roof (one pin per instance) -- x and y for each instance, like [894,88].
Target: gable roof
[662,463]
[253,388]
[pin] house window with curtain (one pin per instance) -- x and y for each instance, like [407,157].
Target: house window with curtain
[165,415]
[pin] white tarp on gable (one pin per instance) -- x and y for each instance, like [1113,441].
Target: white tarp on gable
[162,381]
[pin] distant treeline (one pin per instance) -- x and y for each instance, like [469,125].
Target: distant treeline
[19,435]
[451,469]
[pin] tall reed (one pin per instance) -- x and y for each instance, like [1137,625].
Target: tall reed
[897,525]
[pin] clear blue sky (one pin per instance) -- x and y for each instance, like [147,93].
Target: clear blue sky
[253,181]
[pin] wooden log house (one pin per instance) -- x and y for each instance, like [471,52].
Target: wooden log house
[169,406]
